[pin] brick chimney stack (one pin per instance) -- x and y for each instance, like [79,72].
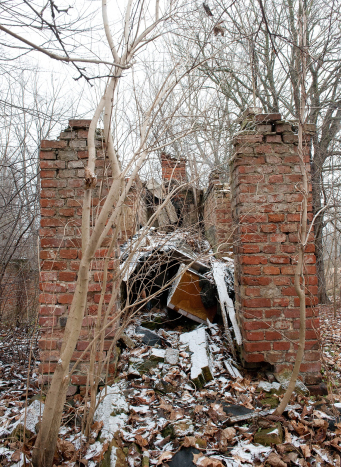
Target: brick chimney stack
[173,168]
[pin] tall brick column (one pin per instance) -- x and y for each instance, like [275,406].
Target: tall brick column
[266,210]
[217,217]
[173,168]
[62,187]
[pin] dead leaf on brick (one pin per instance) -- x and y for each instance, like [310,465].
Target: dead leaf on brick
[165,456]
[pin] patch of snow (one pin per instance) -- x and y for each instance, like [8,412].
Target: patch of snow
[197,343]
[249,452]
[112,409]
[226,303]
[113,457]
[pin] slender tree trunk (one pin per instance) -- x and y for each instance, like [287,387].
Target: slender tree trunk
[317,192]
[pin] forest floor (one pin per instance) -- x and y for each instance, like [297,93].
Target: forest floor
[154,415]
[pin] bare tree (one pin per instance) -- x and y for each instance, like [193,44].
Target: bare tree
[255,57]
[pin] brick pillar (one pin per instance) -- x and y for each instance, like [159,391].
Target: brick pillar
[173,168]
[62,180]
[266,210]
[218,217]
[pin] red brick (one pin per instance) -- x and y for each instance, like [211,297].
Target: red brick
[65,298]
[279,259]
[282,280]
[68,253]
[271,270]
[281,345]
[47,173]
[47,344]
[48,321]
[254,219]
[255,336]
[52,287]
[276,217]
[252,291]
[48,276]
[54,265]
[288,248]
[47,298]
[252,270]
[253,314]
[47,183]
[47,367]
[278,238]
[253,259]
[269,249]
[281,301]
[67,276]
[46,144]
[255,281]
[67,212]
[289,291]
[310,367]
[276,179]
[247,249]
[257,302]
[257,346]
[273,138]
[79,379]
[54,310]
[272,313]
[273,336]
[254,325]
[47,155]
[260,118]
[253,238]
[50,203]
[268,228]
[254,358]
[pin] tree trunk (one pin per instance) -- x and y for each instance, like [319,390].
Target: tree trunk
[316,176]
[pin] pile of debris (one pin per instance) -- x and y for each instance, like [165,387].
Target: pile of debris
[177,270]
[181,400]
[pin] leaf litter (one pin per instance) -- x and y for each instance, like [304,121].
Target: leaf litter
[150,416]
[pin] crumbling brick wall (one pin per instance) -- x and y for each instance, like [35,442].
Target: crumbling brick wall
[218,217]
[266,210]
[187,198]
[18,292]
[62,165]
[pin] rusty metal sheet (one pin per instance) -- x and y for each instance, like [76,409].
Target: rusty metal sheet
[185,298]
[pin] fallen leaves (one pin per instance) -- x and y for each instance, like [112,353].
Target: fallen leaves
[165,456]
[202,461]
[275,461]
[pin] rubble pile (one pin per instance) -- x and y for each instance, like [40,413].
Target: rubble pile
[180,400]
